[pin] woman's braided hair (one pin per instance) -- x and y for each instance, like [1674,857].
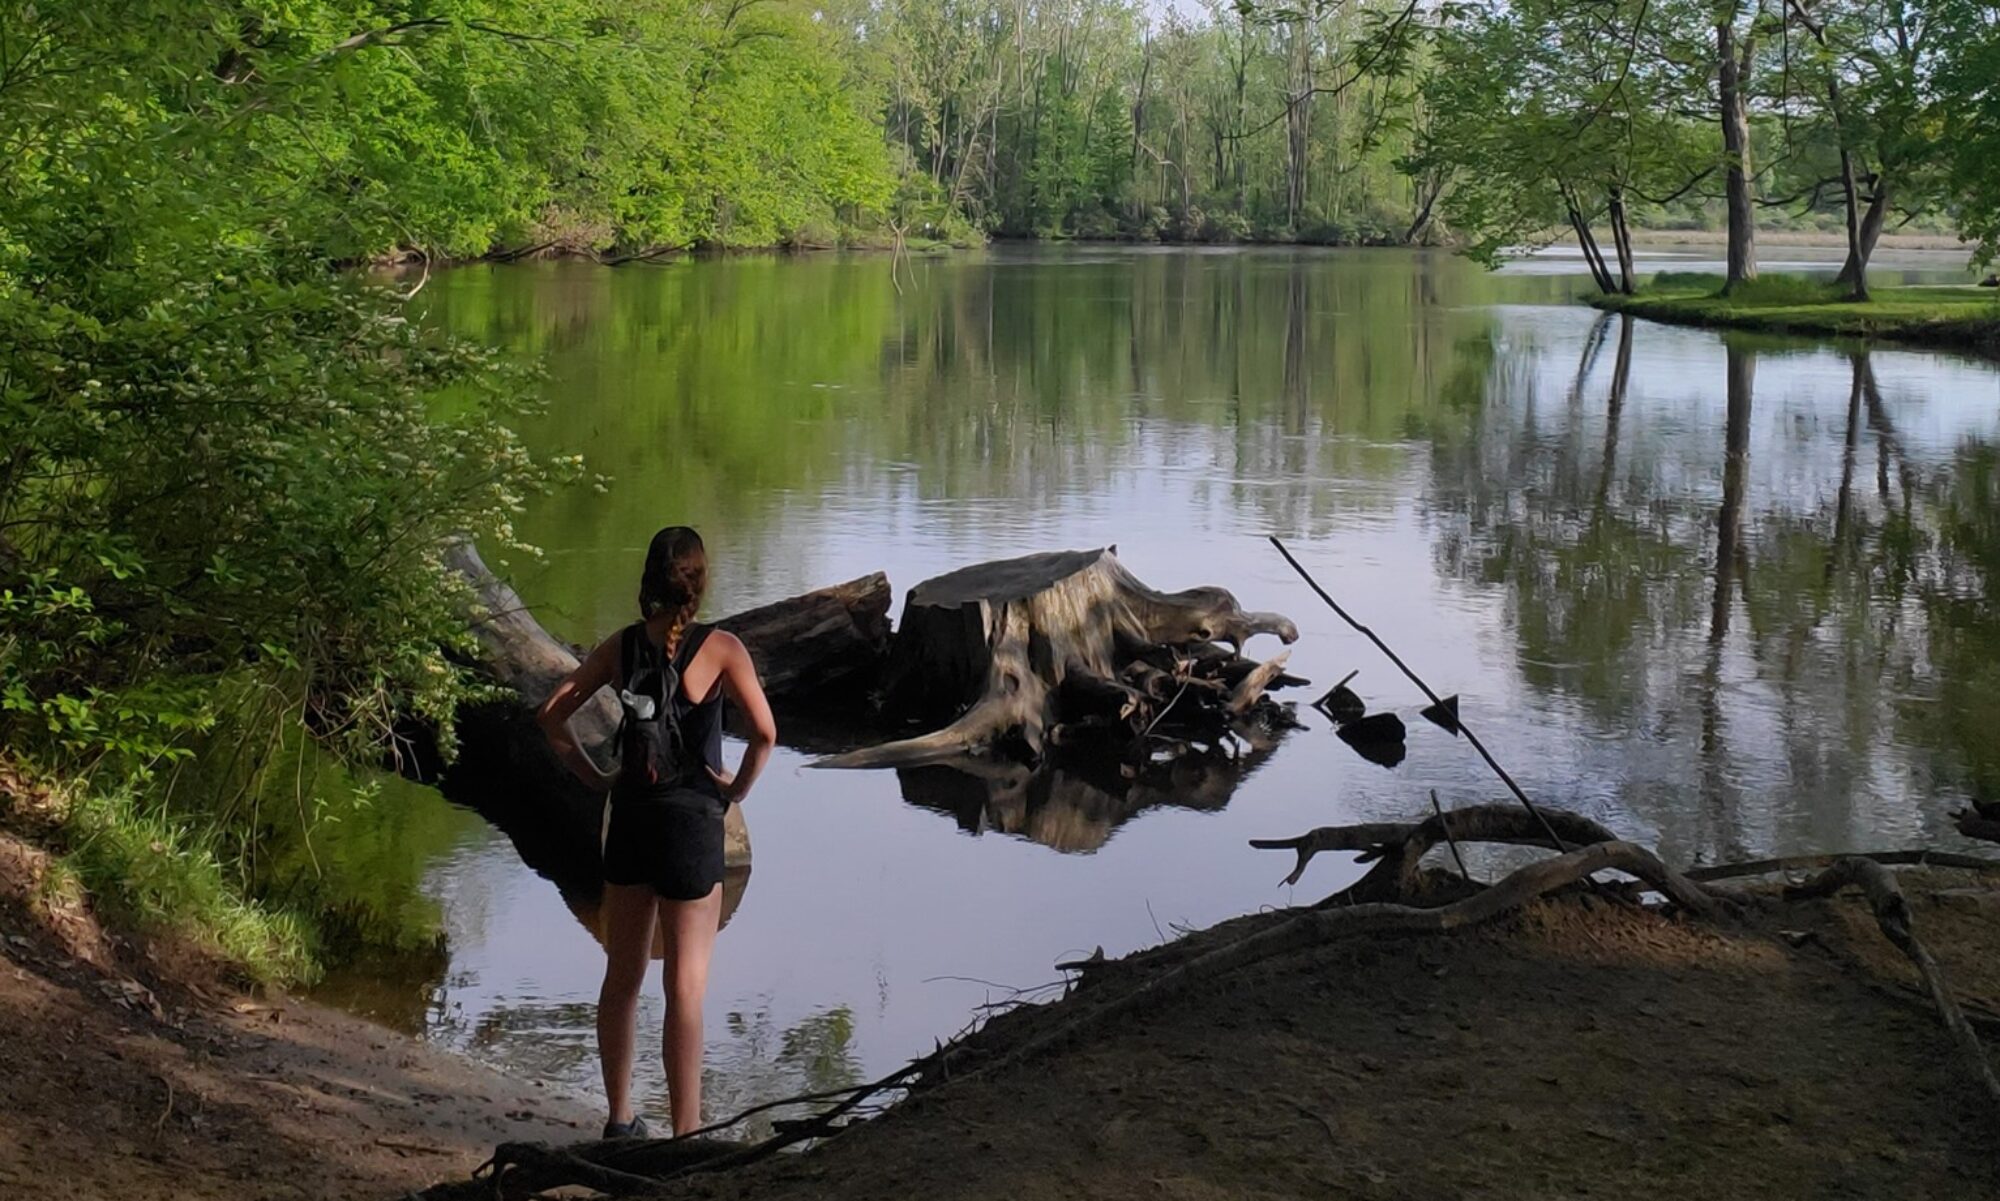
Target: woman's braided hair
[675,577]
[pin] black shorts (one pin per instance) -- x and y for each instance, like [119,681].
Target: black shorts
[668,841]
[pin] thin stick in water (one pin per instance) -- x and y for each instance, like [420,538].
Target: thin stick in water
[1464,729]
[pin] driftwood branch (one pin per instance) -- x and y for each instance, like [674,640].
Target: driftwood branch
[628,1167]
[1920,857]
[1437,702]
[1399,846]
[1892,913]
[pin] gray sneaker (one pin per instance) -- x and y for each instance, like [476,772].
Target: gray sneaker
[636,1128]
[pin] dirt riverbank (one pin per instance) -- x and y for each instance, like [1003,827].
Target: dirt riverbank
[1577,1048]
[133,1072]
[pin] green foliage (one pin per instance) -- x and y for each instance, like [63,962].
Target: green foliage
[1969,32]
[1538,120]
[158,874]
[226,477]
[1102,120]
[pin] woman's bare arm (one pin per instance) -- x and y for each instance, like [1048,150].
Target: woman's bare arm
[740,684]
[596,671]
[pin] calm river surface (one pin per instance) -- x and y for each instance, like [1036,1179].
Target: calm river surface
[1727,596]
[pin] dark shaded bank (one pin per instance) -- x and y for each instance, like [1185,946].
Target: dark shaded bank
[1579,1049]
[135,1068]
[1423,1035]
[1961,319]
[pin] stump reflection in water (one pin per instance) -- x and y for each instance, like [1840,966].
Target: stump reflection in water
[1075,802]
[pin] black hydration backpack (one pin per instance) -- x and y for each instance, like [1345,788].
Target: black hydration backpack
[655,753]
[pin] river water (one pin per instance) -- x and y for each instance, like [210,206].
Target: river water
[1729,596]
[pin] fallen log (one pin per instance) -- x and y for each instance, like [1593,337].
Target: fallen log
[1003,652]
[825,644]
[804,646]
[821,648]
[1980,821]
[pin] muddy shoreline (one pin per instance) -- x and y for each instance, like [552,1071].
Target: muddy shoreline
[136,1070]
[1581,1046]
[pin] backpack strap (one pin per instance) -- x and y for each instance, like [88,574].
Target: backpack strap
[625,654]
[691,640]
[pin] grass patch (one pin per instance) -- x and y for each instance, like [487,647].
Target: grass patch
[148,872]
[1964,318]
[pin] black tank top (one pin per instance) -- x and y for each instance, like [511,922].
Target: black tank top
[700,722]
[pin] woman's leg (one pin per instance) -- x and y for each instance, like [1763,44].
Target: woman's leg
[627,914]
[690,937]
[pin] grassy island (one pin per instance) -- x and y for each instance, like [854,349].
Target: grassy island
[1962,317]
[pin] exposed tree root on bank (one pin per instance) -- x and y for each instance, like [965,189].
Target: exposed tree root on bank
[1800,863]
[1892,914]
[1383,902]
[1397,848]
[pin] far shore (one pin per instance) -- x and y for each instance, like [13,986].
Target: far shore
[1832,239]
[410,263]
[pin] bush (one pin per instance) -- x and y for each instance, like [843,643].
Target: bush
[228,473]
[1223,226]
[816,234]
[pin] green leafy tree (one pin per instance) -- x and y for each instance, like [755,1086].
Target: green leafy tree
[1968,35]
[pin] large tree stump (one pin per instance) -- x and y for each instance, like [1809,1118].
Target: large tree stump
[1007,652]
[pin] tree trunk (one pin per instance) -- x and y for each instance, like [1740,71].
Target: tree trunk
[1298,126]
[1621,239]
[1139,125]
[1736,148]
[1430,187]
[1587,243]
[1861,243]
[1005,652]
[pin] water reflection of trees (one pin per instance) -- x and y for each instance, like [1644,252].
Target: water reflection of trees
[1776,658]
[760,1062]
[753,393]
[751,1061]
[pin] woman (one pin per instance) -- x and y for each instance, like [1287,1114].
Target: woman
[663,824]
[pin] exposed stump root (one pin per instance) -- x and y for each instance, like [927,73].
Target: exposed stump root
[1982,821]
[1066,648]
